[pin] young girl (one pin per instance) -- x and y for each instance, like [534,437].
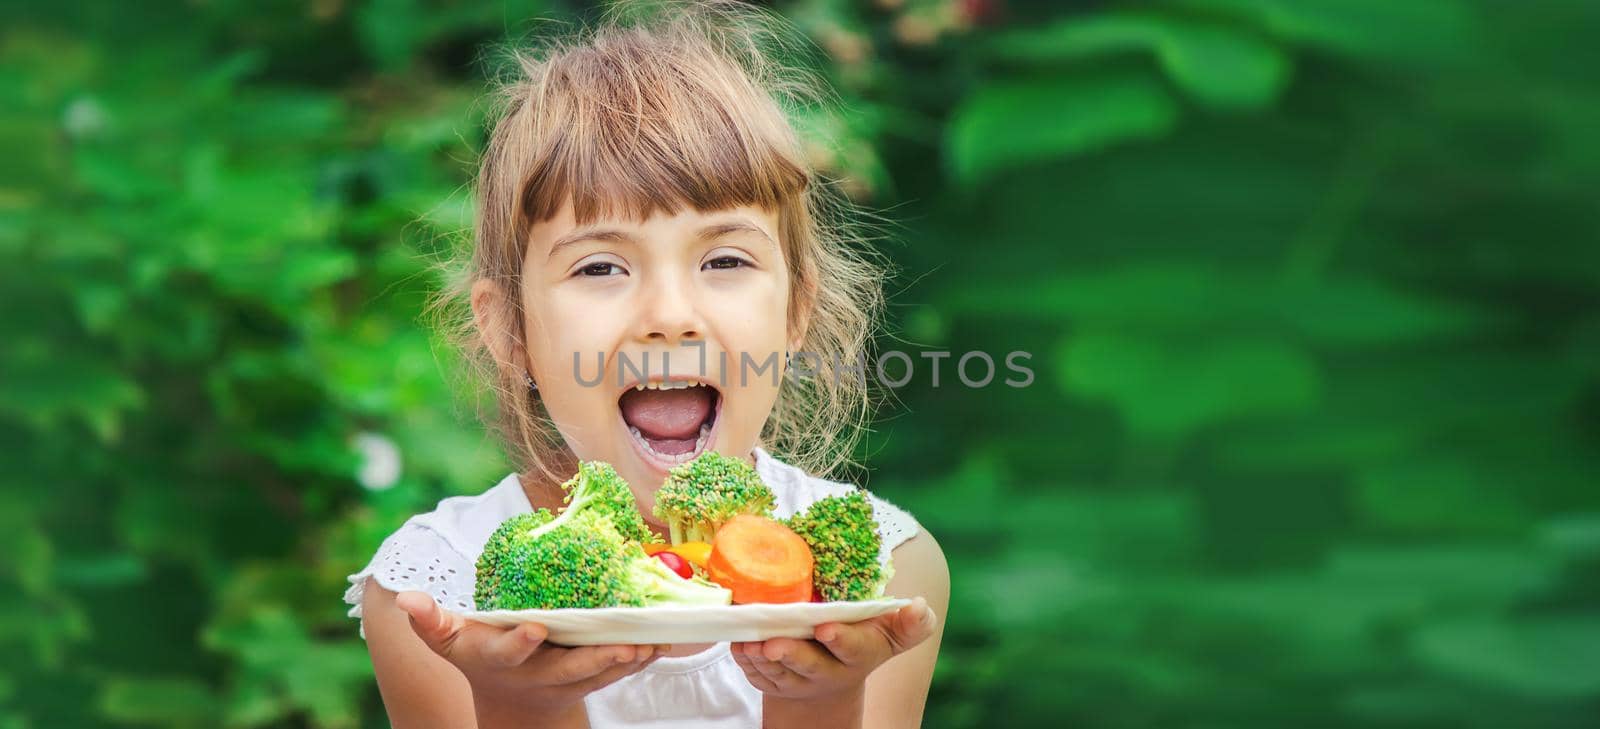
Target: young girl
[652,254]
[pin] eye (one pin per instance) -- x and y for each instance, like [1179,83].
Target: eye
[725,262]
[601,268]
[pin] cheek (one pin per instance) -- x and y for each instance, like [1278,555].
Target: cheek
[569,389]
[762,319]
[562,327]
[758,328]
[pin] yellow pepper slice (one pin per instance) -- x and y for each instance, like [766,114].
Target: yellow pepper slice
[697,553]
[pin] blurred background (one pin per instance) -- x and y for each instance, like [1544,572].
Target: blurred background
[1312,289]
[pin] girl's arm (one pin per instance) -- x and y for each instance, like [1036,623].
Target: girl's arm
[875,673]
[419,688]
[897,692]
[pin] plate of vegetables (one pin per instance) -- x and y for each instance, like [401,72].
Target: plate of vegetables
[594,573]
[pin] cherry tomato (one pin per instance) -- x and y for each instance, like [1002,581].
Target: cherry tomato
[816,596]
[676,564]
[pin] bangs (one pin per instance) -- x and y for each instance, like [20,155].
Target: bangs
[626,134]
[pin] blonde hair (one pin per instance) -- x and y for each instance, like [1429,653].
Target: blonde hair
[657,107]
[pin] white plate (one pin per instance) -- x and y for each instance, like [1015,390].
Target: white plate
[679,624]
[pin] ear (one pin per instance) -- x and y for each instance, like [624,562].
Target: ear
[489,315]
[804,303]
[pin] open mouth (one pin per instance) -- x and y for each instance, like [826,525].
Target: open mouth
[670,421]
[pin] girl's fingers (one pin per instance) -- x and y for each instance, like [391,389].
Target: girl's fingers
[511,648]
[584,662]
[911,625]
[863,642]
[762,683]
[614,674]
[801,656]
[851,643]
[436,626]
[772,671]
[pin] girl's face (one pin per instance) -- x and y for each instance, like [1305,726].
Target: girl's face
[637,332]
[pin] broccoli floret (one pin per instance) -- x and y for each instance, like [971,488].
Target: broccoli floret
[599,487]
[844,545]
[562,563]
[581,562]
[498,548]
[699,496]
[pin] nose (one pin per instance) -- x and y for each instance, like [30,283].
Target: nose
[670,316]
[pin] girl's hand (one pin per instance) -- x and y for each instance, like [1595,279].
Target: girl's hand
[838,661]
[513,672]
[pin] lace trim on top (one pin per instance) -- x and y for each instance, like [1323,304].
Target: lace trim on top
[416,558]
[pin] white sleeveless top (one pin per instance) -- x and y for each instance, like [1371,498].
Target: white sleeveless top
[437,552]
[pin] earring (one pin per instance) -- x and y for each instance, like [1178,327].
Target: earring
[527,378]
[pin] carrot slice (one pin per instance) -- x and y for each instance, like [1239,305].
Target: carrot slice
[760,560]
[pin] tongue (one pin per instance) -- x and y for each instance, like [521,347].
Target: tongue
[668,414]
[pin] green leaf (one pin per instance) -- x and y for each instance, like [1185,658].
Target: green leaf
[1170,388]
[169,701]
[283,660]
[1220,66]
[1437,493]
[1012,123]
[1447,575]
[33,155]
[30,555]
[1541,658]
[1317,443]
[100,570]
[1575,534]
[43,392]
[390,30]
[1415,31]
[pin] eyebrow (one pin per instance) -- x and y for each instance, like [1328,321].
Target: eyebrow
[716,230]
[708,232]
[583,234]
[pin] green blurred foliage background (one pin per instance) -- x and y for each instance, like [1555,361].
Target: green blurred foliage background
[1311,289]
